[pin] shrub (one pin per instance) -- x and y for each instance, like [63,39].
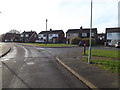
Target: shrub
[86,40]
[75,40]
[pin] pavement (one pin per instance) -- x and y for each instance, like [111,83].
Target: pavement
[91,75]
[4,49]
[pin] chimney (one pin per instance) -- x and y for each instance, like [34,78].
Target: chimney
[50,29]
[81,27]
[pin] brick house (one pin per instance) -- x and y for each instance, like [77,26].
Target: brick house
[52,36]
[112,35]
[11,37]
[28,37]
[81,33]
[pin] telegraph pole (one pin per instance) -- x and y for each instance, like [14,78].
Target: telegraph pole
[90,50]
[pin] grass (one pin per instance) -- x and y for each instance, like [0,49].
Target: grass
[110,65]
[51,45]
[106,53]
[106,59]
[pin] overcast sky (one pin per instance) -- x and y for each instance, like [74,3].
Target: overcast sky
[61,14]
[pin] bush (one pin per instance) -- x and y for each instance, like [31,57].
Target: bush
[75,40]
[86,40]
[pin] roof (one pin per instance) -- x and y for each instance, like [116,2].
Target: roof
[51,32]
[81,30]
[115,29]
[29,32]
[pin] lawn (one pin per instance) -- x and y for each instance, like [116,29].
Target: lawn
[110,65]
[106,59]
[51,45]
[106,53]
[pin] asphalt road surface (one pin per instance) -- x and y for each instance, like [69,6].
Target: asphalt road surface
[32,67]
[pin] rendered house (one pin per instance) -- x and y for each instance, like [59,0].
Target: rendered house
[81,33]
[112,35]
[52,36]
[28,37]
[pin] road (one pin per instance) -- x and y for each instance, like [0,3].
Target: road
[32,67]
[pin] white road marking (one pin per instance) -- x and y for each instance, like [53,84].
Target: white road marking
[26,51]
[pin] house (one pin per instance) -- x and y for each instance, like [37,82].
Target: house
[11,37]
[28,37]
[101,38]
[112,35]
[81,33]
[52,36]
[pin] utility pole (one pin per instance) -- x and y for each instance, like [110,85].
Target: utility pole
[90,50]
[46,32]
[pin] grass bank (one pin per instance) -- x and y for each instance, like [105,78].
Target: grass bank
[106,59]
[50,45]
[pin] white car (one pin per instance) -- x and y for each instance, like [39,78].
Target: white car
[117,45]
[39,41]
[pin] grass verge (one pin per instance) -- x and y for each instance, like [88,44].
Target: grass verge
[106,53]
[50,45]
[110,65]
[106,59]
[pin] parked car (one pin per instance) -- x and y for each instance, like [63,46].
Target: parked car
[117,45]
[39,41]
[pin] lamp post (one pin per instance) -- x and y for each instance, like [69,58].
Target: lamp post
[90,50]
[46,32]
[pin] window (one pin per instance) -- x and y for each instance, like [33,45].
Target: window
[75,34]
[84,34]
[50,35]
[92,34]
[68,34]
[26,35]
[44,35]
[109,34]
[21,35]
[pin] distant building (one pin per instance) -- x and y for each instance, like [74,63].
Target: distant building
[81,33]
[101,38]
[11,37]
[28,37]
[52,36]
[112,35]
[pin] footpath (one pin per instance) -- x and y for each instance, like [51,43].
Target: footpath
[4,49]
[92,76]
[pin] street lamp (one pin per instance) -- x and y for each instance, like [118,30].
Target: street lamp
[90,50]
[46,32]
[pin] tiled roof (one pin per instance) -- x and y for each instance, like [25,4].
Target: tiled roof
[81,30]
[51,32]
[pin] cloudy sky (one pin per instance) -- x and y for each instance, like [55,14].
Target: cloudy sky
[61,14]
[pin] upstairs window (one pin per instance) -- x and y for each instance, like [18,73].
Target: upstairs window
[26,35]
[84,34]
[92,34]
[21,35]
[44,35]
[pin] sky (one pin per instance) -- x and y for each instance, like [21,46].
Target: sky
[27,15]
